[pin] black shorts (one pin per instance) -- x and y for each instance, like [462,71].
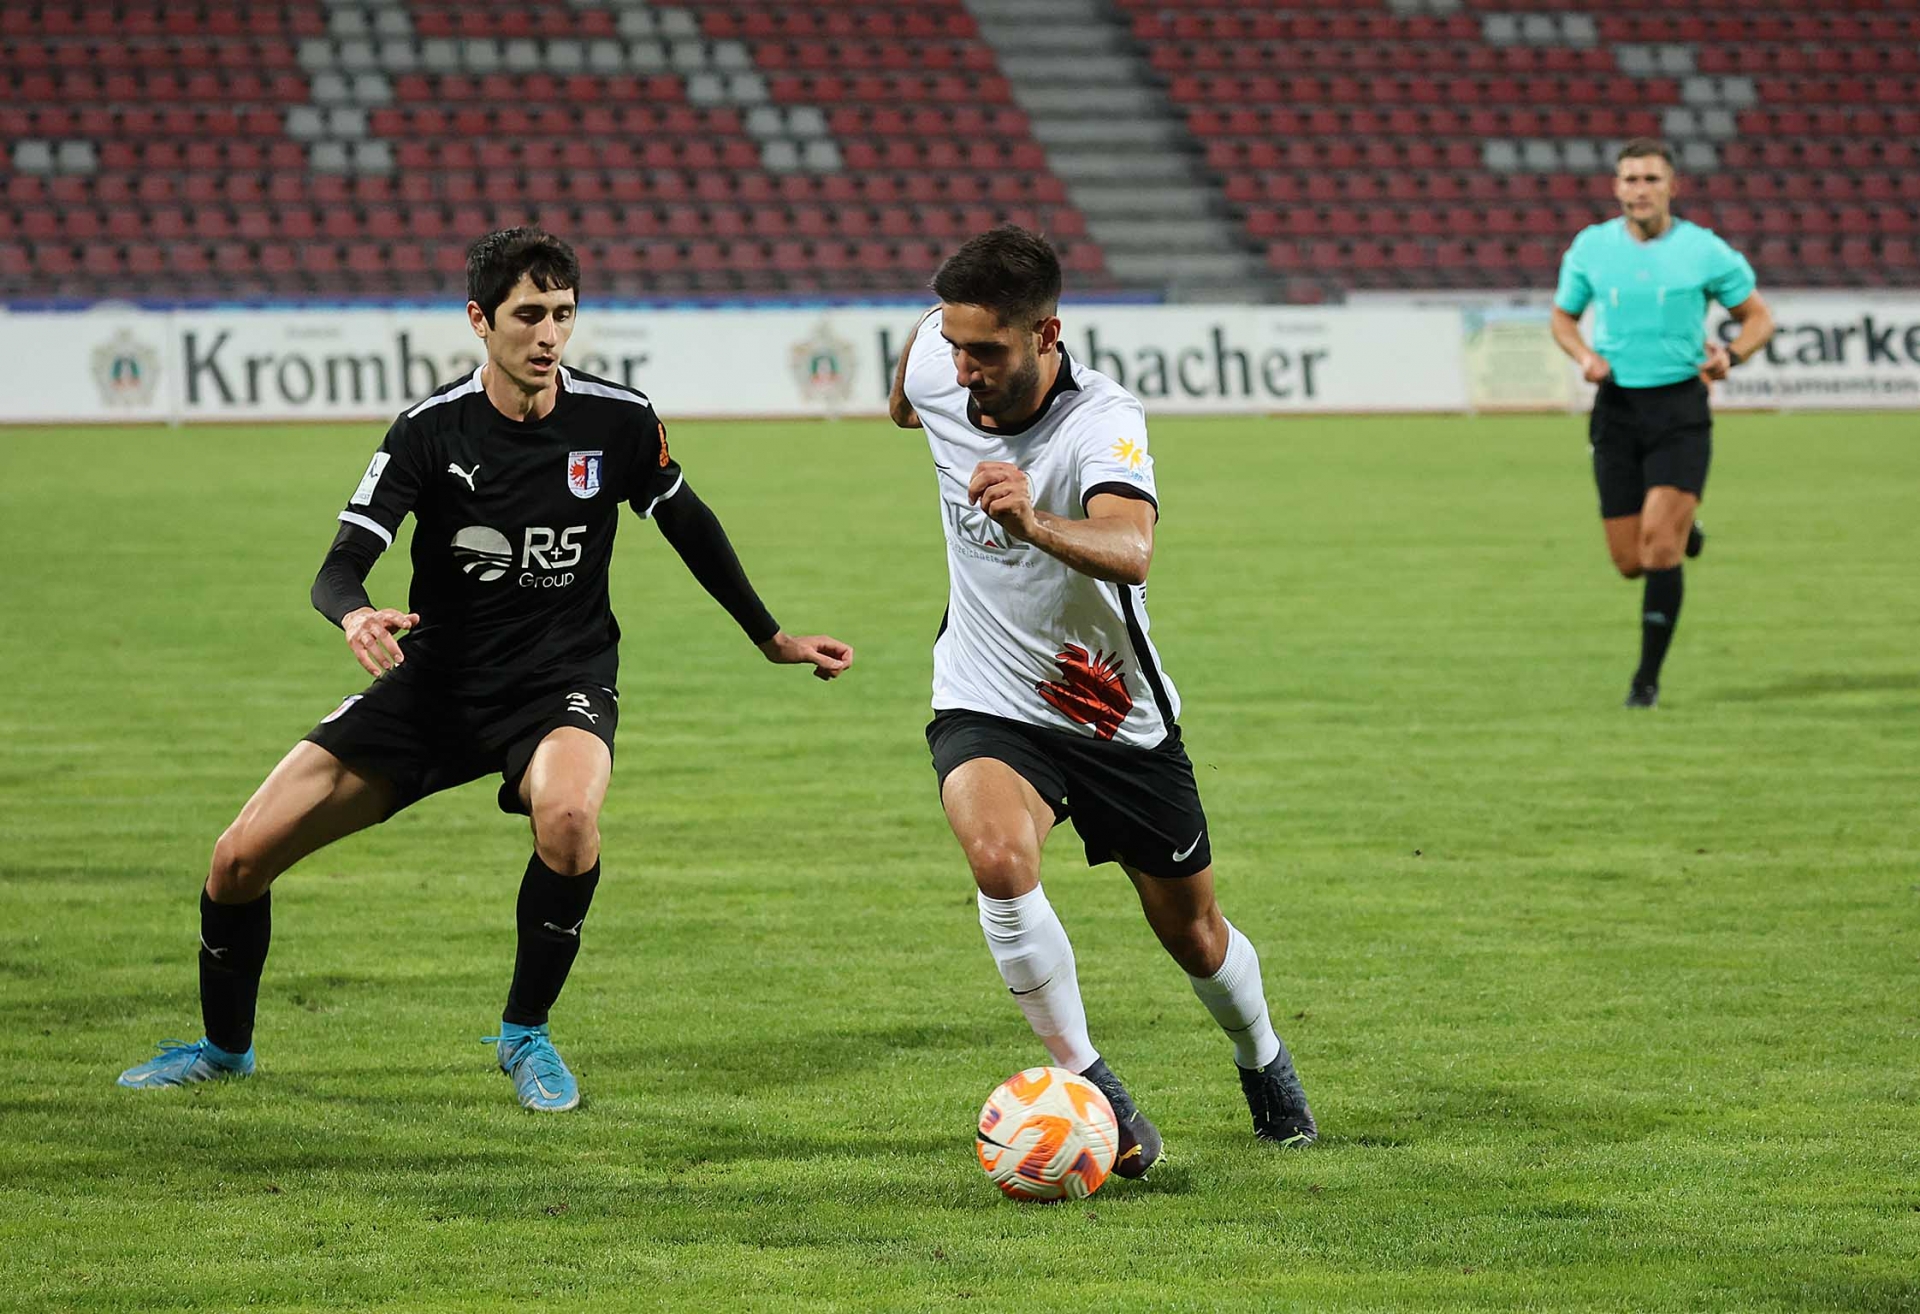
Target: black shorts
[1139,806]
[1645,437]
[423,741]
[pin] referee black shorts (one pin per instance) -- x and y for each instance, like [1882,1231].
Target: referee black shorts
[1643,438]
[1138,806]
[415,736]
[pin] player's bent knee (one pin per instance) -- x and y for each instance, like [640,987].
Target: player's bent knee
[1001,868]
[238,873]
[567,836]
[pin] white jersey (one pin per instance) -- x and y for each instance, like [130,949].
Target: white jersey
[1026,636]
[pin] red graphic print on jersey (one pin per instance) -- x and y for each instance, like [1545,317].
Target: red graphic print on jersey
[1090,690]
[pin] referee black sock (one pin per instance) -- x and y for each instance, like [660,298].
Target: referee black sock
[233,950]
[551,910]
[1659,613]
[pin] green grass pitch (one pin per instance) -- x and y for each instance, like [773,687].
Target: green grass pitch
[1597,1009]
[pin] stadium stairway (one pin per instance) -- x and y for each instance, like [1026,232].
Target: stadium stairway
[1127,159]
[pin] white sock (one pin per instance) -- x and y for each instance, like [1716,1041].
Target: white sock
[1035,959]
[1234,997]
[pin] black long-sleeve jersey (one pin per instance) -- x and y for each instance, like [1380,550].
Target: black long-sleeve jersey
[514,531]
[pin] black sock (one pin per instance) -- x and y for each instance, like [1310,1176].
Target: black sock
[1659,613]
[551,910]
[233,950]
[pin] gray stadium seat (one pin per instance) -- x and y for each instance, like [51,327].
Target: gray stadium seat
[746,88]
[441,55]
[328,157]
[32,155]
[399,55]
[806,121]
[306,122]
[730,56]
[480,56]
[373,156]
[358,56]
[647,56]
[779,156]
[76,157]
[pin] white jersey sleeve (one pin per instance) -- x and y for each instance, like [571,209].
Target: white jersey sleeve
[1112,444]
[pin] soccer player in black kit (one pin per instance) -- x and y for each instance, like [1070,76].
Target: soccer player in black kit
[514,476]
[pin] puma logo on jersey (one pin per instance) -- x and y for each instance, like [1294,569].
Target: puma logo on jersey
[467,475]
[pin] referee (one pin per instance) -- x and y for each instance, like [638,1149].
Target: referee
[1647,276]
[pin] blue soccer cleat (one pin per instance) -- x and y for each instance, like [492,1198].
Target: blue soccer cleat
[541,1079]
[181,1064]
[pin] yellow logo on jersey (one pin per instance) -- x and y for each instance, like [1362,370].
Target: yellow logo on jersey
[1128,453]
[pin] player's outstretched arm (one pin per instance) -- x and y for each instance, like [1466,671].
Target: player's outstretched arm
[829,656]
[696,534]
[897,404]
[1114,542]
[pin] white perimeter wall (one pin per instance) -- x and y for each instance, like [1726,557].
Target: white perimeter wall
[1387,354]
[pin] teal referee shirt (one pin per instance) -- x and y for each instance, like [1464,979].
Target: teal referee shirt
[1650,298]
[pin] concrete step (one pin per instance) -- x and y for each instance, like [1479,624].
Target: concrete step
[1053,38]
[1044,100]
[1144,236]
[1163,202]
[1098,167]
[1070,69]
[1071,133]
[1063,13]
[1223,270]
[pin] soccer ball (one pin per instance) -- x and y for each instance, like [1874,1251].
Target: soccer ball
[1046,1134]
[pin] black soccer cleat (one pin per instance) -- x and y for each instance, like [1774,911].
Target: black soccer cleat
[1278,1102]
[1642,695]
[1696,540]
[1139,1147]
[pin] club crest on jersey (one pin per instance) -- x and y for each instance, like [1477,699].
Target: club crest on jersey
[583,473]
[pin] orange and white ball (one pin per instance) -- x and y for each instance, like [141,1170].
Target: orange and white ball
[1046,1134]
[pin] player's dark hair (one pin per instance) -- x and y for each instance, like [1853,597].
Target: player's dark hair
[496,261]
[1008,270]
[1641,147]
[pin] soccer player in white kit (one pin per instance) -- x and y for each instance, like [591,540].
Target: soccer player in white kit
[1049,699]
